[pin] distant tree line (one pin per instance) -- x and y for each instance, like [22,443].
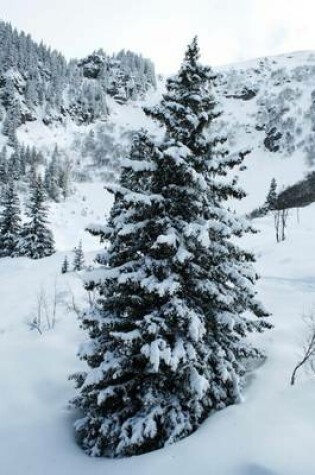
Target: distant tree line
[33,76]
[22,164]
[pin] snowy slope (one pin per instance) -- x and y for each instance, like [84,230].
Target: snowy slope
[90,204]
[280,109]
[282,103]
[270,433]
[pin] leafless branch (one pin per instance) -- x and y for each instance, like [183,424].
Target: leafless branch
[308,357]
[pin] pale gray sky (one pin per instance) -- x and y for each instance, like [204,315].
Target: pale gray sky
[228,30]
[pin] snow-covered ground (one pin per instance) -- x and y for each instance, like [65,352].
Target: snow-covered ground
[270,433]
[90,204]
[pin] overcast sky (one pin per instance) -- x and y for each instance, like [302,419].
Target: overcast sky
[228,30]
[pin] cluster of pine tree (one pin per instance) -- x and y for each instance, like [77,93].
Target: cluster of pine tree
[22,164]
[32,239]
[175,291]
[32,76]
[57,179]
[19,163]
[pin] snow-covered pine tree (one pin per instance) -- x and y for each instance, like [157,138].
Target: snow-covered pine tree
[32,175]
[36,238]
[65,265]
[22,161]
[64,181]
[78,261]
[12,118]
[52,177]
[28,155]
[15,164]
[167,330]
[271,200]
[10,222]
[3,166]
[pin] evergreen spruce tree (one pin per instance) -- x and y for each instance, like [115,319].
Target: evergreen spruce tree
[15,164]
[64,178]
[167,331]
[10,125]
[78,261]
[32,175]
[10,222]
[51,179]
[37,239]
[3,166]
[22,161]
[65,265]
[271,200]
[28,156]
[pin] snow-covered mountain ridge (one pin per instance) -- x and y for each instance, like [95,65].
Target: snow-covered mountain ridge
[48,102]
[268,108]
[91,107]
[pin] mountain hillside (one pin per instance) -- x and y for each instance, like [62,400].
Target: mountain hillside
[73,121]
[62,114]
[89,109]
[37,83]
[269,108]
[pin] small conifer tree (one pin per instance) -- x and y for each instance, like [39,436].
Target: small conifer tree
[65,265]
[37,239]
[3,166]
[51,179]
[10,222]
[271,200]
[78,261]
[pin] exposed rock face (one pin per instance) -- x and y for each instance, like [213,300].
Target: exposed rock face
[272,139]
[92,66]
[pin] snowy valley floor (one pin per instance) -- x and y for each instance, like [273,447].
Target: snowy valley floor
[270,433]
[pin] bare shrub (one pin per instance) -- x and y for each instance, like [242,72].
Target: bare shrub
[308,357]
[280,223]
[45,315]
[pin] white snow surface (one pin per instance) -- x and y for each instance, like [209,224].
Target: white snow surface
[270,433]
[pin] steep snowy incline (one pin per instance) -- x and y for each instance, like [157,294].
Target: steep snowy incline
[270,433]
[268,109]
